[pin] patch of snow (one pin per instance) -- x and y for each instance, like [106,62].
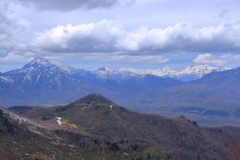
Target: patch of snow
[27,77]
[125,153]
[38,77]
[111,107]
[32,125]
[6,79]
[59,121]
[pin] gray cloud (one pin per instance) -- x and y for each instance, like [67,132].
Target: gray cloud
[11,26]
[68,5]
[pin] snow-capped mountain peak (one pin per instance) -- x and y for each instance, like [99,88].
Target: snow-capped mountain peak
[189,73]
[41,66]
[40,62]
[201,70]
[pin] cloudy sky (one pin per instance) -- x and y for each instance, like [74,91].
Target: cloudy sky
[120,33]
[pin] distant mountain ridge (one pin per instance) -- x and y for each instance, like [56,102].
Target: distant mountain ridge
[45,82]
[187,74]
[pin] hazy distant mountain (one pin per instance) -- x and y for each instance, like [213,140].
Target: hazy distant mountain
[106,73]
[187,74]
[197,71]
[145,83]
[215,95]
[163,71]
[31,72]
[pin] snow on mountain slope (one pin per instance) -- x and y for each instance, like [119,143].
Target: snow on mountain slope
[41,73]
[5,80]
[23,120]
[43,63]
[38,65]
[200,70]
[196,71]
[106,73]
[164,70]
[187,74]
[35,69]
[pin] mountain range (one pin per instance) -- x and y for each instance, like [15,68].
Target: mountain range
[94,127]
[187,74]
[44,82]
[104,73]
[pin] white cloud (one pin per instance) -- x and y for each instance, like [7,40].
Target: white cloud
[109,36]
[210,58]
[14,57]
[92,37]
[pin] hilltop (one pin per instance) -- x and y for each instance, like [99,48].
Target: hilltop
[94,99]
[176,138]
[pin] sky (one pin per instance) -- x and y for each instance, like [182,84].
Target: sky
[142,34]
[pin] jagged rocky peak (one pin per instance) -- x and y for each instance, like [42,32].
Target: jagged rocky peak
[40,62]
[94,99]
